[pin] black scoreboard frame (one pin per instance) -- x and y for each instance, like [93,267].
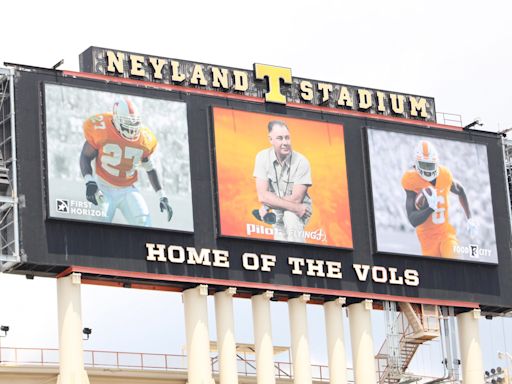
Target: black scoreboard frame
[116,255]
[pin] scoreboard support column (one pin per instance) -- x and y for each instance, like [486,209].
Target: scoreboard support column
[71,352]
[335,341]
[263,338]
[359,315]
[198,339]
[299,340]
[226,343]
[469,345]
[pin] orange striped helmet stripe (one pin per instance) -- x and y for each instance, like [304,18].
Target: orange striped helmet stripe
[131,108]
[425,148]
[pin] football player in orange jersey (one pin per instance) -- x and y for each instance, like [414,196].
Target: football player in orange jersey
[120,145]
[434,181]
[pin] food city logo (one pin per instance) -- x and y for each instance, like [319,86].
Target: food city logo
[472,250]
[317,234]
[274,84]
[329,269]
[78,208]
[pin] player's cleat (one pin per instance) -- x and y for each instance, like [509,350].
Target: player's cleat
[269,218]
[165,206]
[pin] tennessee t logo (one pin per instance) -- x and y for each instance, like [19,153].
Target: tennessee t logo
[274,76]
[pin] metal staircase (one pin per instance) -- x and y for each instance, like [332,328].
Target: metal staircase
[407,329]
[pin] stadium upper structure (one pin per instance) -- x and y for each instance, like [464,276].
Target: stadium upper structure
[209,122]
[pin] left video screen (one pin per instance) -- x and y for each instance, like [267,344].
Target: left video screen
[117,159]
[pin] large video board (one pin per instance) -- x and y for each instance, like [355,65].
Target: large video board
[99,172]
[281,178]
[233,170]
[432,197]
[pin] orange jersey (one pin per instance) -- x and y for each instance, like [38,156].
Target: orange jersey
[118,157]
[437,223]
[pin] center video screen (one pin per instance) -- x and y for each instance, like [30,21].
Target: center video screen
[431,197]
[281,179]
[117,159]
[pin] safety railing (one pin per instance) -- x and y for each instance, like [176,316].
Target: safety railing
[49,357]
[29,356]
[449,118]
[429,318]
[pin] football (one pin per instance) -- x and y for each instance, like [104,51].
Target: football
[420,202]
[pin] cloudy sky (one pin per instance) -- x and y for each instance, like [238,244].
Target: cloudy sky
[458,52]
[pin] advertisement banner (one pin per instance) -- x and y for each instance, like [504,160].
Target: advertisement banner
[281,178]
[431,197]
[117,159]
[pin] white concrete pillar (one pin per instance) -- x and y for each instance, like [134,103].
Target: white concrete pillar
[263,338]
[336,354]
[71,351]
[226,344]
[198,339]
[299,340]
[359,316]
[469,344]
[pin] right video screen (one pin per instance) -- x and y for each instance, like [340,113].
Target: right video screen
[431,197]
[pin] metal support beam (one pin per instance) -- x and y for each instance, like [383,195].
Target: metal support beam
[9,225]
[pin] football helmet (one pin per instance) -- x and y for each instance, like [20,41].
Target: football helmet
[426,162]
[126,119]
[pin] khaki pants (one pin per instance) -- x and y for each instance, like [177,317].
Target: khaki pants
[289,227]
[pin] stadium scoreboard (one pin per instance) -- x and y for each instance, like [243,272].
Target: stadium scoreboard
[157,171]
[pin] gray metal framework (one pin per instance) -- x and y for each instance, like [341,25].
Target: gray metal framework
[393,338]
[507,155]
[9,200]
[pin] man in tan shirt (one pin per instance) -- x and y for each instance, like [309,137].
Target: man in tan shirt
[283,177]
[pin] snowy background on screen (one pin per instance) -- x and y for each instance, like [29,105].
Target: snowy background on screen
[391,154]
[67,108]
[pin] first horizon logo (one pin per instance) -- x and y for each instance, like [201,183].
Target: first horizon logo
[62,205]
[79,208]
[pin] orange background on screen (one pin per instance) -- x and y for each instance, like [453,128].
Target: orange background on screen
[240,135]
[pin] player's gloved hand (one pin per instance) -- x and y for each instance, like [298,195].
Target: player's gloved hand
[472,227]
[165,206]
[93,193]
[431,196]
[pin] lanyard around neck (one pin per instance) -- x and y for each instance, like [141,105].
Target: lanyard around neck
[277,177]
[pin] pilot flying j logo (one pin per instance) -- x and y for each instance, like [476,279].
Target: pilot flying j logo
[78,208]
[318,234]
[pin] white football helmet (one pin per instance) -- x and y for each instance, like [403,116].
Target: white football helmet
[126,119]
[426,162]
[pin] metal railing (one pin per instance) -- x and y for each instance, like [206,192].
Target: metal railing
[382,357]
[429,323]
[29,356]
[49,357]
[449,118]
